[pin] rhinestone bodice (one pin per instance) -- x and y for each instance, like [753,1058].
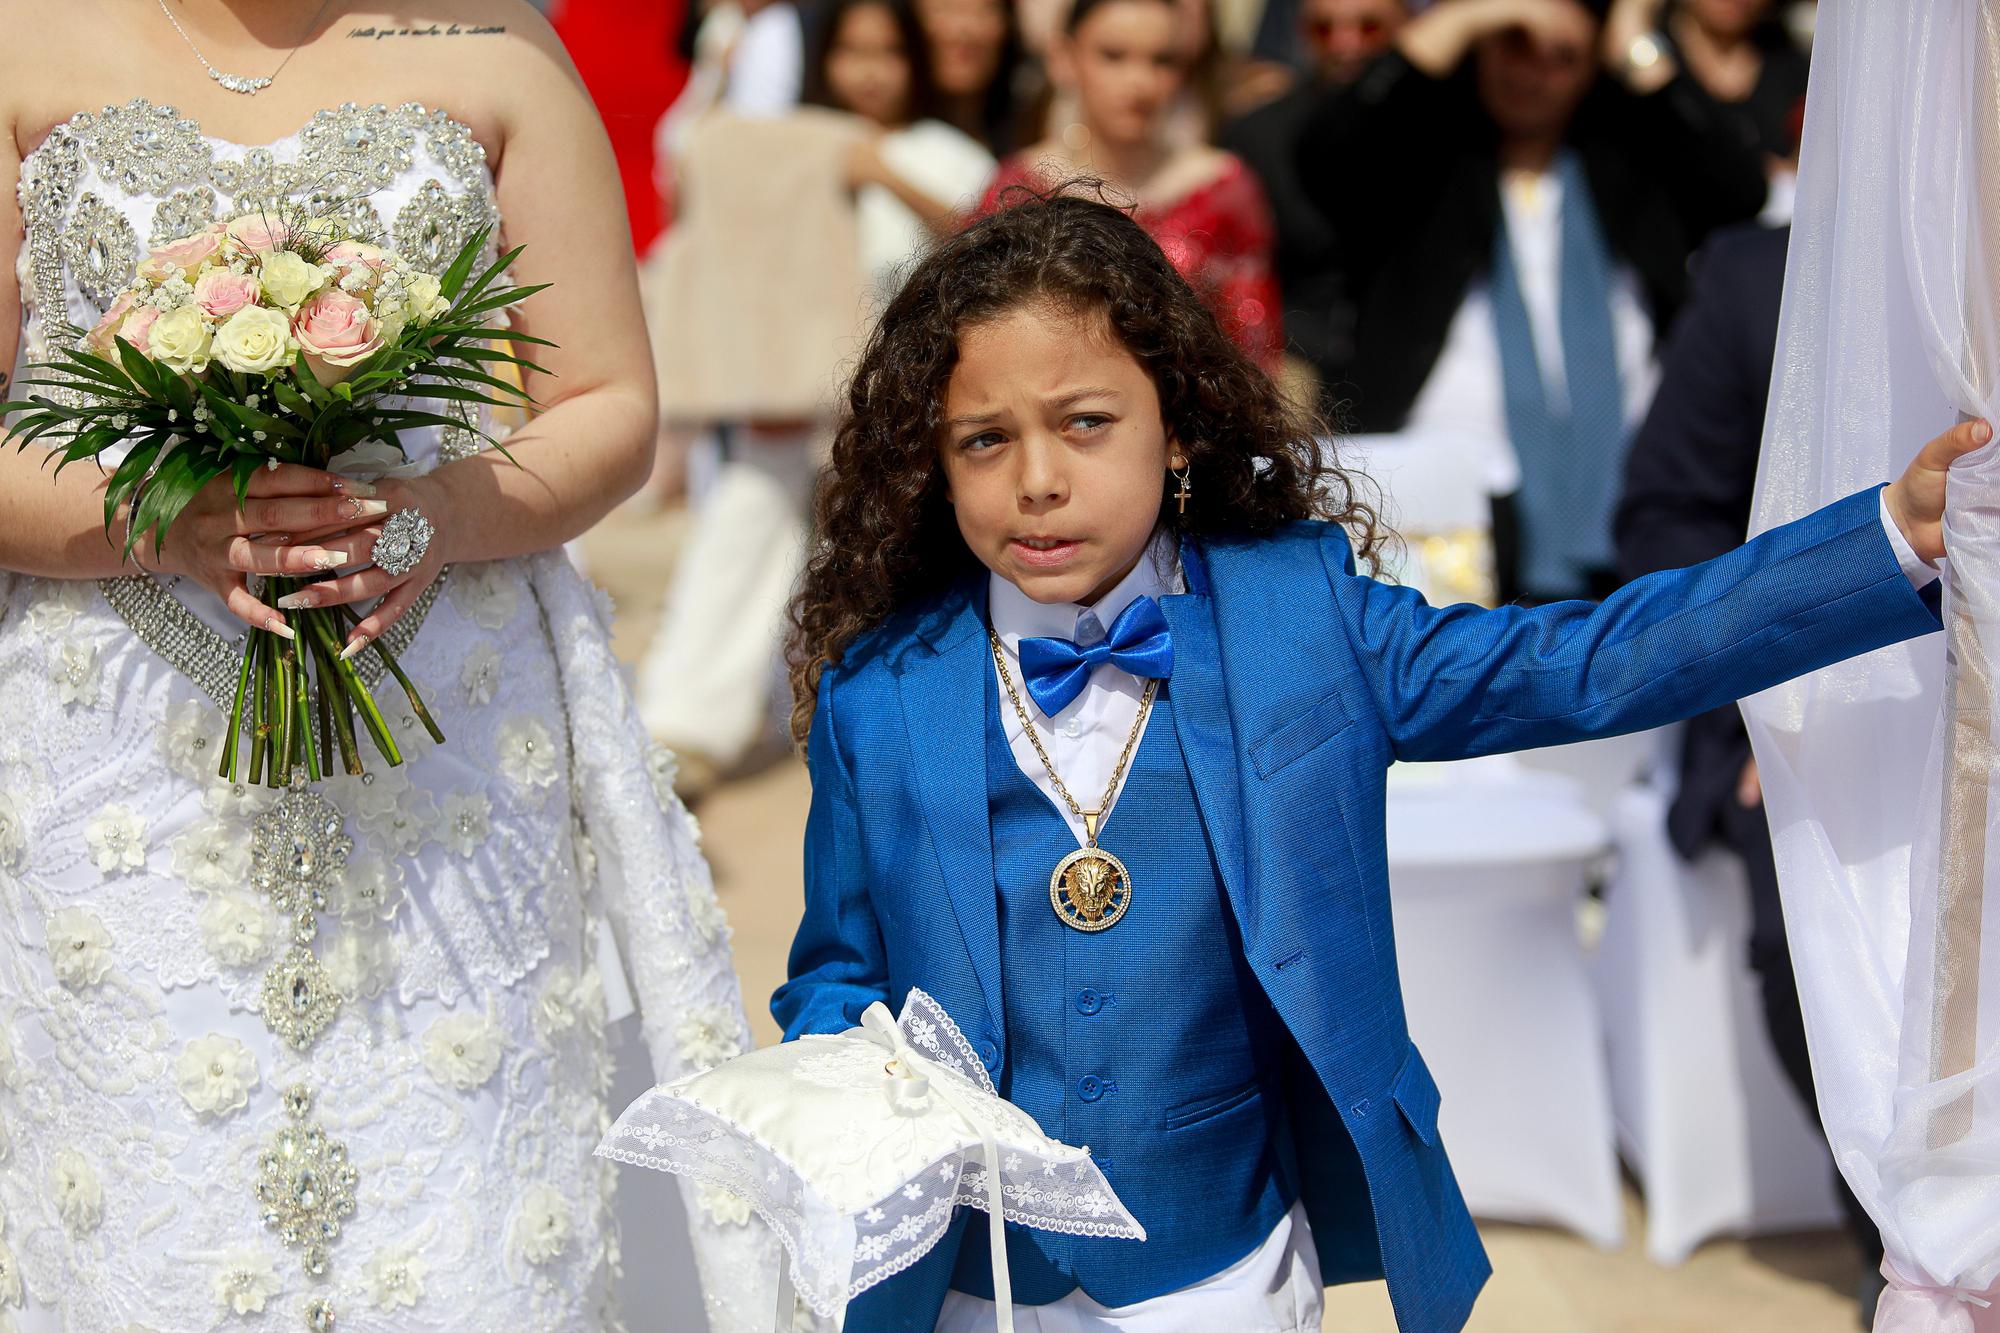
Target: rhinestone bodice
[106,185]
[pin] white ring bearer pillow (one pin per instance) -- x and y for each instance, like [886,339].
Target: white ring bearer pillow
[856,1148]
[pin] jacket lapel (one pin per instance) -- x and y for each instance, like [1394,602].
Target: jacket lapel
[1203,723]
[944,703]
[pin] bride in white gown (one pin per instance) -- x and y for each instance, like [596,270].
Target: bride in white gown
[175,1153]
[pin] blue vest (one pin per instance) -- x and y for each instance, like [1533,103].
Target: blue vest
[1150,1042]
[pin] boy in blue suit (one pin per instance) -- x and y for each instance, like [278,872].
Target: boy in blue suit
[1098,717]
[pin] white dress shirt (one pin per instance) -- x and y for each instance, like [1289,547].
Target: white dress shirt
[1085,739]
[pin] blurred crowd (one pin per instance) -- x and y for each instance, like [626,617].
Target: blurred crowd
[1545,237]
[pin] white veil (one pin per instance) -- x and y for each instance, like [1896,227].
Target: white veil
[1877,773]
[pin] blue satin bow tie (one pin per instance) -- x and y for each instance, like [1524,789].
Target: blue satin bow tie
[1056,670]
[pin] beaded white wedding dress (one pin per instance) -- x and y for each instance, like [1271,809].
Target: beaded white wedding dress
[205,1122]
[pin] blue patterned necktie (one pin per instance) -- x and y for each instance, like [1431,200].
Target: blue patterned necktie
[1056,670]
[1572,453]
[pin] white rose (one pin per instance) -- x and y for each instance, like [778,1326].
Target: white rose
[709,1034]
[212,857]
[462,1050]
[245,1281]
[79,947]
[395,1276]
[424,297]
[527,753]
[78,1197]
[465,822]
[289,280]
[361,963]
[237,928]
[117,839]
[215,1074]
[255,340]
[541,1228]
[179,340]
[371,890]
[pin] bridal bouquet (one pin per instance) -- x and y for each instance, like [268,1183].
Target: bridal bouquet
[279,339]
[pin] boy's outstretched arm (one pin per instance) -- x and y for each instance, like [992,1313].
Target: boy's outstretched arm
[838,966]
[1451,682]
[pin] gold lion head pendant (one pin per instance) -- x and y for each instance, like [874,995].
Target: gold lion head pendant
[1090,889]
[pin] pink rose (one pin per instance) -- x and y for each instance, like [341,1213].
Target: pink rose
[336,332]
[99,338]
[137,325]
[186,254]
[254,231]
[222,293]
[348,252]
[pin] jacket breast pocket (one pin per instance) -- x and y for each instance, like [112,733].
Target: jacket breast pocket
[1203,1109]
[1300,737]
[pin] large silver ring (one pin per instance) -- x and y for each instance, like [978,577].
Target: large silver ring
[404,540]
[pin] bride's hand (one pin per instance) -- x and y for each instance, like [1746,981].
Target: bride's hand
[1916,499]
[216,543]
[348,543]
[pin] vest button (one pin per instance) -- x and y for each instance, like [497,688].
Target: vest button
[1089,1087]
[989,1055]
[1088,1002]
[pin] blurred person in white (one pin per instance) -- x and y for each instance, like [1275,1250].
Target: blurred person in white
[709,682]
[1521,182]
[915,175]
[975,48]
[749,56]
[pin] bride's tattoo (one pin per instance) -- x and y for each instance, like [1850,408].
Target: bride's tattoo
[373,33]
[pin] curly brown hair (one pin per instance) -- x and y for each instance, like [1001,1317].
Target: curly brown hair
[885,538]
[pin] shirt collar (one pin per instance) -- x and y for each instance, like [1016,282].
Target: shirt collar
[1017,616]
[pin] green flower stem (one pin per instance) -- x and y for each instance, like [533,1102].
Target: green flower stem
[229,745]
[280,771]
[260,729]
[396,669]
[302,720]
[327,685]
[357,692]
[332,689]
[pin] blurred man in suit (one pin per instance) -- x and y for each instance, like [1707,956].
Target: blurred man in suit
[1688,484]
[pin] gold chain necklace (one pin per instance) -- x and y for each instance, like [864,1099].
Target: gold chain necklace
[1090,888]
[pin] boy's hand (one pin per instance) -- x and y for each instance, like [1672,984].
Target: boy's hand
[1916,499]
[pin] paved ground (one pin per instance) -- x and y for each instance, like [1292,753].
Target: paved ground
[1544,1281]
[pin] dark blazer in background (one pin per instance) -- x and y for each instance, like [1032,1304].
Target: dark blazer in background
[1410,165]
[1692,468]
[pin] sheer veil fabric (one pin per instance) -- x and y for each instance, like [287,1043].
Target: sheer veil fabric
[1878,772]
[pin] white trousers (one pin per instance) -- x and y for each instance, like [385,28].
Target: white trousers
[709,678]
[1273,1289]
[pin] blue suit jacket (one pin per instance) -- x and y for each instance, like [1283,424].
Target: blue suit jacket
[1297,682]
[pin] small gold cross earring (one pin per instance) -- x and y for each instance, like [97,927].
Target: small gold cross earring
[1181,475]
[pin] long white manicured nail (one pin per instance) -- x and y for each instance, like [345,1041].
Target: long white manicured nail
[351,649]
[277,626]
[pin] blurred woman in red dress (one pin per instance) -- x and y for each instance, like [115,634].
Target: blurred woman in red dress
[1122,60]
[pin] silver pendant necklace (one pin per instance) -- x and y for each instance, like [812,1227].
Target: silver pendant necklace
[243,83]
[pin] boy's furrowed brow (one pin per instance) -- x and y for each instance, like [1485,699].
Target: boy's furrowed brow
[973,419]
[1078,395]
